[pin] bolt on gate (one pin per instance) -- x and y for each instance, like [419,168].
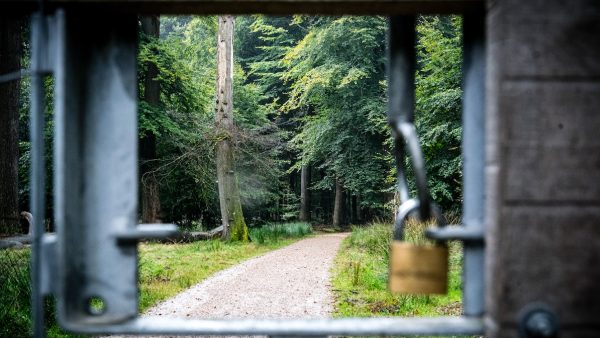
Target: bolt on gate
[93,255]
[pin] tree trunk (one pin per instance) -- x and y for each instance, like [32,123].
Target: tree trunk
[354,209]
[304,194]
[149,184]
[358,210]
[234,225]
[338,207]
[10,61]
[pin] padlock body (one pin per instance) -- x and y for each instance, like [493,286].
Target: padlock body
[418,269]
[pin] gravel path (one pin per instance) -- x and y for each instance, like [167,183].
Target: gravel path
[291,282]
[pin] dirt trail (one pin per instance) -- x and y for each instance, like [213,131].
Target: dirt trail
[291,282]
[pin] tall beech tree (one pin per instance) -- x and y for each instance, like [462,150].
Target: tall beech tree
[234,224]
[10,61]
[338,206]
[149,185]
[304,193]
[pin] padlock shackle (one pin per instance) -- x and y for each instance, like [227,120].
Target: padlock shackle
[401,68]
[406,137]
[406,209]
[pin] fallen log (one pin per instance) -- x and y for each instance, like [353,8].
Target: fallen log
[19,240]
[180,237]
[192,236]
[15,242]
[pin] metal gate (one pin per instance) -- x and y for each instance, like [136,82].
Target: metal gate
[94,252]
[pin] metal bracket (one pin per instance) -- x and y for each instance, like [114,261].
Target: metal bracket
[146,231]
[47,52]
[538,321]
[48,264]
[456,232]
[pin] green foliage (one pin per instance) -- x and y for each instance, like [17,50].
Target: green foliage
[15,297]
[438,105]
[335,75]
[183,123]
[275,232]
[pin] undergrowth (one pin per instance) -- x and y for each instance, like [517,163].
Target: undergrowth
[15,292]
[360,277]
[273,232]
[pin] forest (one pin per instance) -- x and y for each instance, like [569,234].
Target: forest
[310,139]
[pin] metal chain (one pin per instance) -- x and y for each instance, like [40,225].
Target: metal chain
[401,70]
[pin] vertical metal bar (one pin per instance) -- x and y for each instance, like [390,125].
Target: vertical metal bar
[37,123]
[401,68]
[96,168]
[401,84]
[473,145]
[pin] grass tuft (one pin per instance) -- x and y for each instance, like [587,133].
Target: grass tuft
[360,276]
[273,232]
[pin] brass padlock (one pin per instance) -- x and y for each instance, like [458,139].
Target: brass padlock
[417,269]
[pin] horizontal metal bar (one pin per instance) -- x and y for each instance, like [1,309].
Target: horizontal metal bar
[12,76]
[22,73]
[310,327]
[48,264]
[336,7]
[455,232]
[147,231]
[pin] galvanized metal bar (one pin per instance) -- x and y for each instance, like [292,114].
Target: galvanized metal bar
[146,231]
[279,7]
[455,233]
[12,76]
[96,168]
[38,168]
[473,146]
[316,327]
[401,69]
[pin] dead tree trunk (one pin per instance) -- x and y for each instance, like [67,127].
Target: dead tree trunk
[338,207]
[304,193]
[10,61]
[149,184]
[234,225]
